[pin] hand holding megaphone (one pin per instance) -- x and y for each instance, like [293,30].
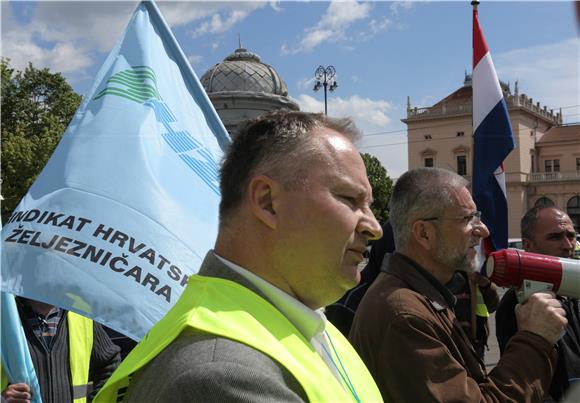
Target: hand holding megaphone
[532,272]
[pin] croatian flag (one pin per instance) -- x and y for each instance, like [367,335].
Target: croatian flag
[127,206]
[493,141]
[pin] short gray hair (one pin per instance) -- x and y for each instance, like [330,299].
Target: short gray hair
[280,144]
[421,193]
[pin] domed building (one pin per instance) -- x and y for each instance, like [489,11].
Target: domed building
[243,87]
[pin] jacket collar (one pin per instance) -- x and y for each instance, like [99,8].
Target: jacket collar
[420,280]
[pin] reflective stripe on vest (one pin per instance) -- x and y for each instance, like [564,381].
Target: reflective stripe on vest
[229,310]
[80,337]
[481,308]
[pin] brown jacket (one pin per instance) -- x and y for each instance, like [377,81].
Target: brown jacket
[407,335]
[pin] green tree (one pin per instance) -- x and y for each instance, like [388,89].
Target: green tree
[36,106]
[382,186]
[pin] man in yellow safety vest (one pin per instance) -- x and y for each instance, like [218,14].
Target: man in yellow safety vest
[295,220]
[72,356]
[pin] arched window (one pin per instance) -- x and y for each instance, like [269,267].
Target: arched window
[573,210]
[544,202]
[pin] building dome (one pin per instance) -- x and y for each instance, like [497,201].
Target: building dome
[243,71]
[242,87]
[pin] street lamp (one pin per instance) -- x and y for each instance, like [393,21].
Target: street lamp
[325,78]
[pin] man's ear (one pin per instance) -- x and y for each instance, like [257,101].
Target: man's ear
[423,233]
[263,192]
[528,244]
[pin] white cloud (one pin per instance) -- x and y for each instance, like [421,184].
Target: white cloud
[548,73]
[64,36]
[195,59]
[396,6]
[94,23]
[371,116]
[305,83]
[378,25]
[332,26]
[218,24]
[20,47]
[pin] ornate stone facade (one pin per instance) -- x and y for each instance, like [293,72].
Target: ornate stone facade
[544,167]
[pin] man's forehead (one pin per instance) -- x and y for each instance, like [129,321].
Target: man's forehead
[461,199]
[552,220]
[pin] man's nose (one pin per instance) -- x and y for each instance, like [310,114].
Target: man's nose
[480,229]
[569,243]
[369,226]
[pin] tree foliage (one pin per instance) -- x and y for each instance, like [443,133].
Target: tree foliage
[382,186]
[36,107]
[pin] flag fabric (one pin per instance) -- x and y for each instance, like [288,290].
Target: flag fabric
[127,206]
[15,354]
[493,141]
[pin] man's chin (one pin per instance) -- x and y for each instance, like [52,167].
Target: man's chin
[351,277]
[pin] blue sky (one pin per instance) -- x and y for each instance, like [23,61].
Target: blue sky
[382,51]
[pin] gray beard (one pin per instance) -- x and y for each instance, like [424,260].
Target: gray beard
[457,261]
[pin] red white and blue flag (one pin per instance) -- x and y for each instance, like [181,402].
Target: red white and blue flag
[493,141]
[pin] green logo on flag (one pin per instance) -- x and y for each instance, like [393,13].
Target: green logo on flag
[138,84]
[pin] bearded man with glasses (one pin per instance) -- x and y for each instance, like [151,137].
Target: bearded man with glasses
[405,328]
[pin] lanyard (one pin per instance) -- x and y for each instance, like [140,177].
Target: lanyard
[341,371]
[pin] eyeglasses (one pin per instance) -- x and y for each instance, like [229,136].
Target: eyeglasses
[473,218]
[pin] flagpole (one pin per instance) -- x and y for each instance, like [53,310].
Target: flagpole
[474,3]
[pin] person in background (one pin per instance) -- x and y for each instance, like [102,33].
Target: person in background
[295,220]
[472,312]
[341,313]
[548,231]
[72,356]
[405,329]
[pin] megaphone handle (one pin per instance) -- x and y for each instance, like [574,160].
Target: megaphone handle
[530,287]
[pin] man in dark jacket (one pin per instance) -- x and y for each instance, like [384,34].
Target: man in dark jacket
[48,331]
[405,329]
[549,231]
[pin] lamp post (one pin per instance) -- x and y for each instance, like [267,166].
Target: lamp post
[325,78]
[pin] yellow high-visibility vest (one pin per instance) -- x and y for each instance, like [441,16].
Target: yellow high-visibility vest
[227,309]
[480,307]
[80,336]
[80,340]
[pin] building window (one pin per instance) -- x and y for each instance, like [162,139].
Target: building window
[573,210]
[544,202]
[552,165]
[532,163]
[578,164]
[460,134]
[428,137]
[428,162]
[462,165]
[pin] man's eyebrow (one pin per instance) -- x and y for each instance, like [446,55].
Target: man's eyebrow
[360,193]
[560,233]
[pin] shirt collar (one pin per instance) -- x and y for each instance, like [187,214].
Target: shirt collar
[420,280]
[309,322]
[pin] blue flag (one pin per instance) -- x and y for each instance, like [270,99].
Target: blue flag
[127,206]
[15,355]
